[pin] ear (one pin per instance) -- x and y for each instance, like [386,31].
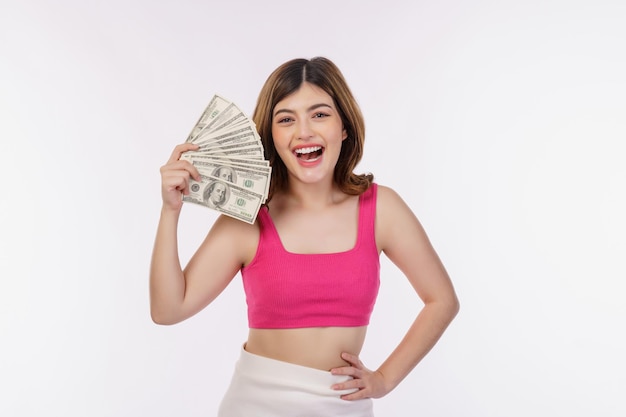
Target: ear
[344,134]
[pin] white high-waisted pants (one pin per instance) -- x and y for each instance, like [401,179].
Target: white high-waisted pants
[263,387]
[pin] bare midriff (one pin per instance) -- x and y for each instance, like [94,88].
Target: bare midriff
[315,347]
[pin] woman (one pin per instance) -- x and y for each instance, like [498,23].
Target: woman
[310,263]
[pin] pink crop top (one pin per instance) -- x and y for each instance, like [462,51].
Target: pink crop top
[288,290]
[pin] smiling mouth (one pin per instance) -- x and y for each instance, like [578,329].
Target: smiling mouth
[309,154]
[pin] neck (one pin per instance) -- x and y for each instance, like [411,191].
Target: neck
[318,195]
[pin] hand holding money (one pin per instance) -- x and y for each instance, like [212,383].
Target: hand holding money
[233,173]
[175,175]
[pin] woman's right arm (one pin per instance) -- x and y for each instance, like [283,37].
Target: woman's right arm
[176,294]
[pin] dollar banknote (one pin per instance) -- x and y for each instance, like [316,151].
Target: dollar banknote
[225,197]
[250,178]
[215,107]
[235,176]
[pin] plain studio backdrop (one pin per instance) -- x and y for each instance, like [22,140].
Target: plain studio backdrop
[501,123]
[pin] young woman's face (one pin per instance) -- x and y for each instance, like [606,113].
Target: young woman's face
[308,133]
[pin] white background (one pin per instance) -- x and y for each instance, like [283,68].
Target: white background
[501,123]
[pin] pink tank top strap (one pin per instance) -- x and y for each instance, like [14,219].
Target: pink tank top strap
[269,235]
[367,216]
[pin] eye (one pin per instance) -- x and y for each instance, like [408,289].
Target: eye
[320,115]
[284,120]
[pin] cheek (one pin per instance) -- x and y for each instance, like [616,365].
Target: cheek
[278,150]
[276,139]
[280,141]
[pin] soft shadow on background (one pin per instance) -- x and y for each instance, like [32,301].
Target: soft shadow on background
[500,123]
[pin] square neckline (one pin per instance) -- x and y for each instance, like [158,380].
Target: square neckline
[356,245]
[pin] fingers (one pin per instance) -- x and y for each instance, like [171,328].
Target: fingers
[357,388]
[355,365]
[181,166]
[175,175]
[180,149]
[176,180]
[352,359]
[357,395]
[360,387]
[368,384]
[175,163]
[355,370]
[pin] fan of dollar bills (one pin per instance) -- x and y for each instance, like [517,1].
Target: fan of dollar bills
[235,175]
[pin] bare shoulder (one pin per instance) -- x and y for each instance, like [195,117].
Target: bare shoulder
[389,205]
[395,220]
[238,238]
[387,194]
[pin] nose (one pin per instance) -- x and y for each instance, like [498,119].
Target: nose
[304,131]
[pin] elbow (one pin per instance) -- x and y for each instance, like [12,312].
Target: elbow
[448,306]
[452,306]
[158,317]
[455,306]
[158,320]
[162,321]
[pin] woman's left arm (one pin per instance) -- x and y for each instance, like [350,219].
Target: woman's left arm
[402,238]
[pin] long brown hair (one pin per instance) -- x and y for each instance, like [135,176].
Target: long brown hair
[323,73]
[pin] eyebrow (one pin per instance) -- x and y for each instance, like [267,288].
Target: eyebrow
[311,108]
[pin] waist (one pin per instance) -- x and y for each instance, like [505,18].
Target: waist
[313,347]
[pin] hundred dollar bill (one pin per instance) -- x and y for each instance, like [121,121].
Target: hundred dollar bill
[239,120]
[246,133]
[258,174]
[226,198]
[208,160]
[250,179]
[214,108]
[242,143]
[238,160]
[261,165]
[249,150]
[230,116]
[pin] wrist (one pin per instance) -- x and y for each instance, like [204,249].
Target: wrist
[170,212]
[388,384]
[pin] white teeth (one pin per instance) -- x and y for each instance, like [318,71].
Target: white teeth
[308,150]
